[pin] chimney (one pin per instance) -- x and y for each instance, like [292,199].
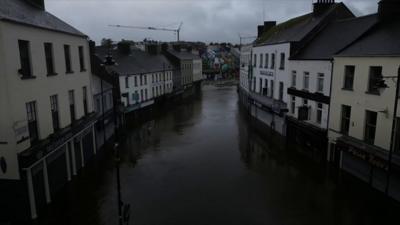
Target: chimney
[264,28]
[389,10]
[268,25]
[260,30]
[37,3]
[321,6]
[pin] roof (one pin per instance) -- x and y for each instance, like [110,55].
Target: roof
[19,11]
[136,62]
[296,29]
[381,40]
[336,36]
[99,70]
[183,55]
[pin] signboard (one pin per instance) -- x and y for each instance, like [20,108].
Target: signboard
[21,130]
[267,73]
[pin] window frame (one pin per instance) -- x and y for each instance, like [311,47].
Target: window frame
[283,61]
[320,108]
[371,89]
[306,77]
[32,121]
[72,109]
[293,105]
[281,90]
[273,61]
[85,100]
[320,86]
[67,58]
[49,57]
[368,126]
[348,77]
[126,81]
[82,64]
[344,118]
[294,79]
[25,58]
[272,88]
[55,115]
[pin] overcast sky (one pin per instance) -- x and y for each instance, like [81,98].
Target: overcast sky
[203,20]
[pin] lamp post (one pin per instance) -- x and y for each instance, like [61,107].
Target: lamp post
[109,61]
[394,128]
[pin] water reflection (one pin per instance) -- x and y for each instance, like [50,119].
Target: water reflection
[203,163]
[304,192]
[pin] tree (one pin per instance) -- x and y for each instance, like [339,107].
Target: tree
[106,42]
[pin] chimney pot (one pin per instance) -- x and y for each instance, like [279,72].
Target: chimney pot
[321,6]
[264,28]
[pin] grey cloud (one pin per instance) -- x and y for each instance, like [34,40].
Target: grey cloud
[204,20]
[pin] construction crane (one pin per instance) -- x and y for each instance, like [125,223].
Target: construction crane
[177,31]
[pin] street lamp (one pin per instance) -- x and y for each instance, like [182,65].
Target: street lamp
[380,83]
[109,61]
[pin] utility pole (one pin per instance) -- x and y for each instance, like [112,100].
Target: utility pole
[244,38]
[394,129]
[122,216]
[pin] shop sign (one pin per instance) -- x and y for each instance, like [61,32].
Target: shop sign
[21,130]
[371,159]
[267,73]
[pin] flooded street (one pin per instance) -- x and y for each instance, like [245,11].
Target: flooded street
[203,163]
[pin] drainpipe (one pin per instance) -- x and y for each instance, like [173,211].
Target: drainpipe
[273,90]
[394,126]
[102,111]
[329,112]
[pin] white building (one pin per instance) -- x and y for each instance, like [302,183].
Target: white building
[245,62]
[271,53]
[245,76]
[191,66]
[310,83]
[144,76]
[362,104]
[46,120]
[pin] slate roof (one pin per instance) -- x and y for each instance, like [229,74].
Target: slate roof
[136,62]
[335,37]
[183,55]
[381,40]
[296,29]
[19,11]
